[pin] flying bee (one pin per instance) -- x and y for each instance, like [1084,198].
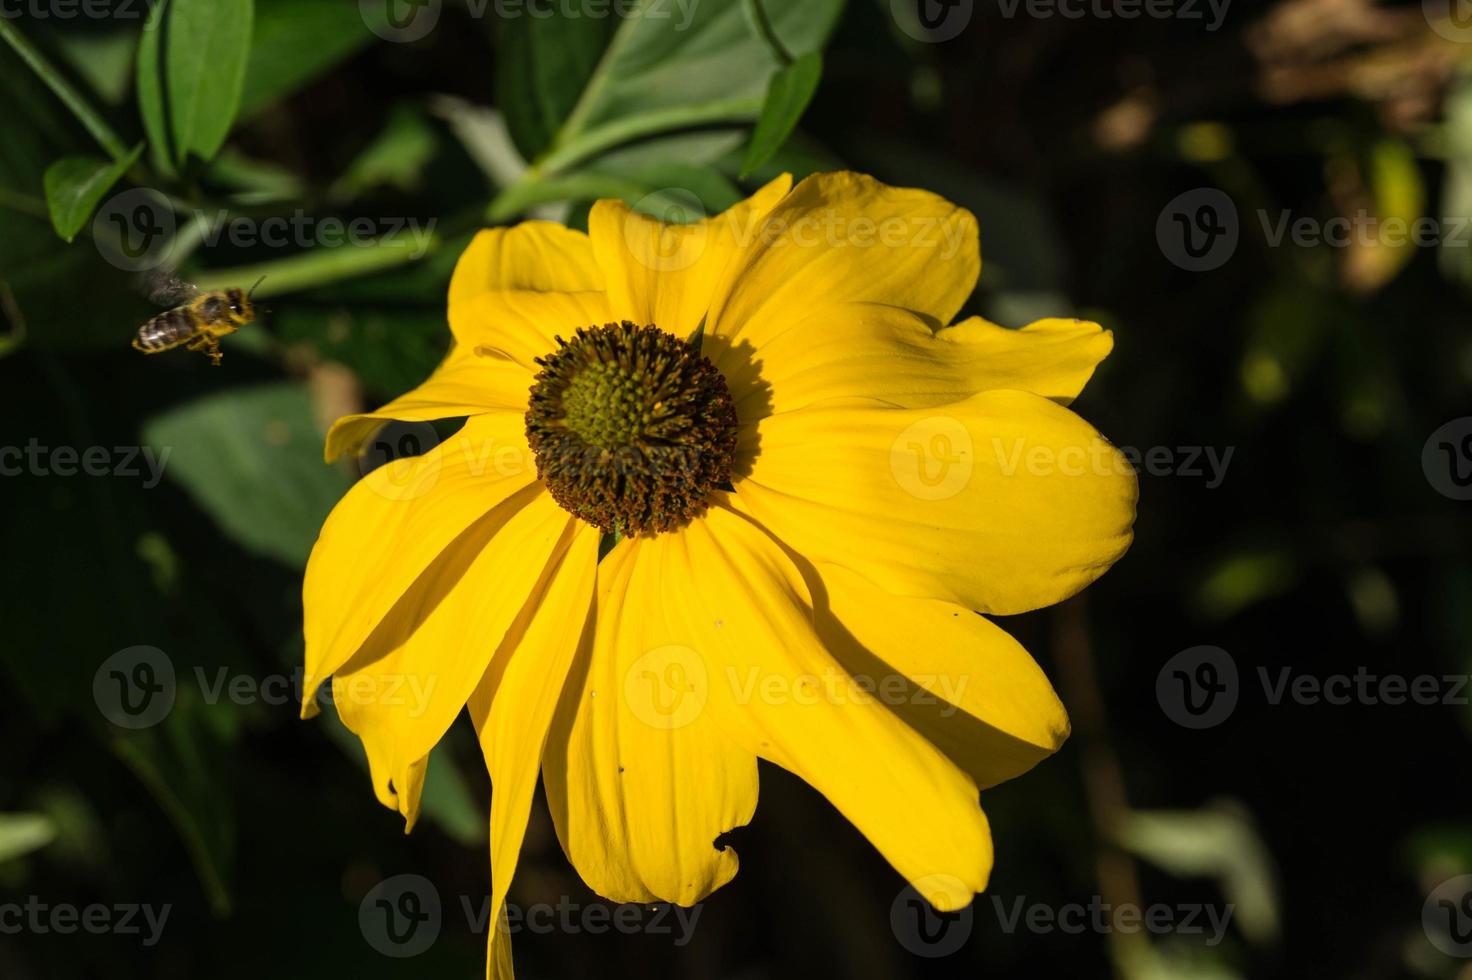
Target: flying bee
[198,319]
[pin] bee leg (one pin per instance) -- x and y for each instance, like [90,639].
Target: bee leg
[209,347]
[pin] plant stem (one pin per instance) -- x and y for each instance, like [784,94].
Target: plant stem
[528,192]
[609,135]
[64,91]
[321,266]
[764,27]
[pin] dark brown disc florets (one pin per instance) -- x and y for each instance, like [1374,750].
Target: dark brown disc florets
[631,428]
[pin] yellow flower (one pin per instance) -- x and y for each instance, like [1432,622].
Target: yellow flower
[814,485]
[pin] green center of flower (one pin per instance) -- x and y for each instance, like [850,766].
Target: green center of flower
[631,428]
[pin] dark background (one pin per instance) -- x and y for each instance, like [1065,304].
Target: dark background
[1325,548]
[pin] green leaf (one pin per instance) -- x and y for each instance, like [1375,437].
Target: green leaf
[206,47]
[788,95]
[544,59]
[252,459]
[76,185]
[22,833]
[396,157]
[104,59]
[151,90]
[295,42]
[1218,841]
[180,761]
[258,180]
[669,67]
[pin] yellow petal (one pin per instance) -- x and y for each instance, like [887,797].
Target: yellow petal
[951,674]
[465,384]
[402,689]
[639,778]
[667,274]
[742,610]
[541,256]
[844,237]
[521,325]
[393,524]
[851,350]
[512,708]
[1001,503]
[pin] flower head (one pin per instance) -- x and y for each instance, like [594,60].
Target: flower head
[805,485]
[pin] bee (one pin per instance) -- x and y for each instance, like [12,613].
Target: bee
[198,319]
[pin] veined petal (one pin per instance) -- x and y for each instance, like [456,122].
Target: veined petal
[1001,503]
[393,524]
[522,325]
[964,683]
[743,611]
[844,237]
[541,256]
[668,274]
[465,384]
[853,350]
[512,708]
[402,689]
[639,778]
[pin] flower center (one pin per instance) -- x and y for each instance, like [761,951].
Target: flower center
[631,428]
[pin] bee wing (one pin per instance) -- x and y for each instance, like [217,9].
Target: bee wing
[166,289]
